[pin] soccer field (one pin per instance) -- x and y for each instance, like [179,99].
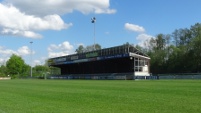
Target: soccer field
[100,96]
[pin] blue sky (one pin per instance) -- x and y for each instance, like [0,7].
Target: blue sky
[58,27]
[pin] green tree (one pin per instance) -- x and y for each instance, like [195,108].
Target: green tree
[55,71]
[158,51]
[97,46]
[89,48]
[16,66]
[40,70]
[160,42]
[195,47]
[3,70]
[183,55]
[80,49]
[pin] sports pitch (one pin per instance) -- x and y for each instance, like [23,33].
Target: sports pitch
[100,96]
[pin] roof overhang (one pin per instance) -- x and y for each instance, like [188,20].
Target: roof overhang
[138,56]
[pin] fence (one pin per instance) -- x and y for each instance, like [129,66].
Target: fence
[181,76]
[106,76]
[126,76]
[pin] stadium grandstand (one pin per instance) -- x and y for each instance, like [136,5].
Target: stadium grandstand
[119,62]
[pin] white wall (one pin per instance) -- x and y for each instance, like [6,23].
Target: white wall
[142,74]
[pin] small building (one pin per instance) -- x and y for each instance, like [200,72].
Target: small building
[119,62]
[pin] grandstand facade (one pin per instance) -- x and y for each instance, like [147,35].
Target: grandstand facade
[119,62]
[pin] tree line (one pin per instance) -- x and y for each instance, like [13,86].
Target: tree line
[82,49]
[179,52]
[16,67]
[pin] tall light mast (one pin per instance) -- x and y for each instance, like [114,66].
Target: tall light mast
[93,20]
[31,59]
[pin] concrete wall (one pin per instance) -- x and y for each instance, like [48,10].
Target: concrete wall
[5,78]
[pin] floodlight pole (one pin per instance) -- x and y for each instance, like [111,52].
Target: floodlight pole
[93,20]
[94,36]
[31,59]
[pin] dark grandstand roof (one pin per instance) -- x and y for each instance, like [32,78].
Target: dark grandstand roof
[128,49]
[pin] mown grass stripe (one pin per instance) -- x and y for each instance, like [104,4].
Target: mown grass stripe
[108,96]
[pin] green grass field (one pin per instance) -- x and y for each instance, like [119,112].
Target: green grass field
[100,96]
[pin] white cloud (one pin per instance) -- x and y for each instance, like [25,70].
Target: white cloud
[24,50]
[134,28]
[6,52]
[37,62]
[143,40]
[26,18]
[15,32]
[65,46]
[107,33]
[2,61]
[13,22]
[143,37]
[47,7]
[62,49]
